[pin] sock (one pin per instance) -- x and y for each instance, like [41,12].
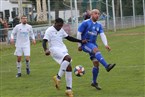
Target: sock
[95,72]
[100,58]
[68,77]
[19,67]
[62,69]
[27,64]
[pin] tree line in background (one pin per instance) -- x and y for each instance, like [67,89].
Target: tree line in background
[83,5]
[127,7]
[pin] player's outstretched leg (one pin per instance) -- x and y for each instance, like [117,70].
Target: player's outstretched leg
[62,69]
[100,58]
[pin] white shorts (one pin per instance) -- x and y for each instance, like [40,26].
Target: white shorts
[20,50]
[58,54]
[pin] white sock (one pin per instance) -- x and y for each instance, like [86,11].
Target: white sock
[27,64]
[68,77]
[63,67]
[19,67]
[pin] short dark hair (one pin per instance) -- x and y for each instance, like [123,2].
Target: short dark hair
[23,16]
[59,20]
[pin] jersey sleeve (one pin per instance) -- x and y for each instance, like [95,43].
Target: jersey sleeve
[82,27]
[46,35]
[101,29]
[64,33]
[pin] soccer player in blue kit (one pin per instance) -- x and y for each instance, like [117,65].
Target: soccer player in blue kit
[89,30]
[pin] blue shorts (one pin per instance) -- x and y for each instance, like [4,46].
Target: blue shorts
[88,48]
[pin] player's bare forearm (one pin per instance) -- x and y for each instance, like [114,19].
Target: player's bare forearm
[34,41]
[12,41]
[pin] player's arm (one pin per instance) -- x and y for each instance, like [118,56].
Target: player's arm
[44,44]
[79,44]
[104,40]
[32,36]
[81,29]
[79,37]
[14,31]
[70,38]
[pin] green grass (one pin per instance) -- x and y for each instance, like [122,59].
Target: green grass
[127,79]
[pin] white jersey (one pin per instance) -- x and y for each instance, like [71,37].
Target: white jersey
[23,33]
[55,38]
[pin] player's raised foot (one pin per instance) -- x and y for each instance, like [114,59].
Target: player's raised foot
[57,82]
[28,71]
[18,75]
[69,93]
[110,66]
[96,86]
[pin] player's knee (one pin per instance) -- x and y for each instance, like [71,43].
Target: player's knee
[27,60]
[69,68]
[67,58]
[19,59]
[95,50]
[96,64]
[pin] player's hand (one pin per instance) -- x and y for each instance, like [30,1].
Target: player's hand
[108,48]
[84,41]
[47,52]
[79,49]
[12,41]
[34,42]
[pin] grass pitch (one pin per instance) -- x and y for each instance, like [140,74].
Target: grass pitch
[127,79]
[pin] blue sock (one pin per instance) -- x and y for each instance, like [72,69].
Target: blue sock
[100,58]
[95,72]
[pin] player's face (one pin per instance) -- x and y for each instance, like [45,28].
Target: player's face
[58,26]
[24,20]
[95,15]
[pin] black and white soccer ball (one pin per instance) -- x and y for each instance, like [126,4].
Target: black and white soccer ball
[79,70]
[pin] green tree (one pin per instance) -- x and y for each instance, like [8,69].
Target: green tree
[139,7]
[55,5]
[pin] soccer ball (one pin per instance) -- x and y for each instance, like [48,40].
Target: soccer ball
[79,70]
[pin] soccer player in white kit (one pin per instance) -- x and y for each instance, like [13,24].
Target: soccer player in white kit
[22,32]
[54,36]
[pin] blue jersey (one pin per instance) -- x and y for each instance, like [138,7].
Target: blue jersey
[90,30]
